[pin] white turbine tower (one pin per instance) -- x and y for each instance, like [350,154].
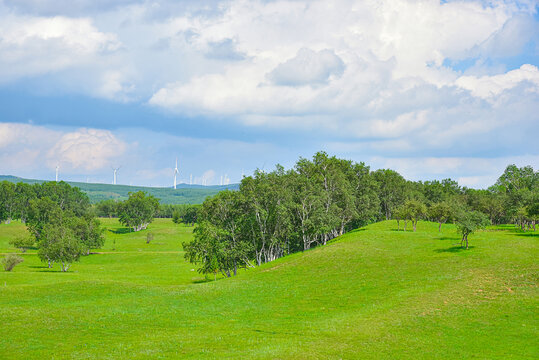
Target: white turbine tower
[191,179]
[176,172]
[115,174]
[57,168]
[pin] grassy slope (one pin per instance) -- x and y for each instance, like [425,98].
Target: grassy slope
[184,194]
[374,293]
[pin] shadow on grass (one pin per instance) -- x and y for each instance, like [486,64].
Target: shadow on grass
[202,281]
[356,230]
[120,231]
[449,238]
[38,266]
[527,234]
[453,249]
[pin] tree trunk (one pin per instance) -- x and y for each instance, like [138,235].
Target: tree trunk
[466,242]
[405,221]
[414,224]
[398,225]
[440,226]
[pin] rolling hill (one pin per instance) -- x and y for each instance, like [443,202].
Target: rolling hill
[184,194]
[373,293]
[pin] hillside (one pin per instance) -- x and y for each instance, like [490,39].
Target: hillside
[373,293]
[184,194]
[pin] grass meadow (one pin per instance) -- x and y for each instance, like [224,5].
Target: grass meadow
[374,293]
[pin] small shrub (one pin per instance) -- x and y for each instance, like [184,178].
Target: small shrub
[10,261]
[149,237]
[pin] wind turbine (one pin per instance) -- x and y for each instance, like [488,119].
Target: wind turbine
[57,168]
[176,172]
[115,174]
[191,179]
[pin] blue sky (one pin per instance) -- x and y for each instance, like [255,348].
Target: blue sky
[431,89]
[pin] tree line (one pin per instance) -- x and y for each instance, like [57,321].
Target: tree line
[284,211]
[183,213]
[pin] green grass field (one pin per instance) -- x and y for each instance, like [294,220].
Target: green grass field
[374,293]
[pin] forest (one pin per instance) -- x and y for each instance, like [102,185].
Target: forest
[285,211]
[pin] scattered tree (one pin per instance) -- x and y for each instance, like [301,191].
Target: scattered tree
[414,210]
[138,211]
[441,212]
[469,222]
[23,242]
[59,244]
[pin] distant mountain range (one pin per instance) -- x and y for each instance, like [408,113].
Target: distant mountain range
[184,193]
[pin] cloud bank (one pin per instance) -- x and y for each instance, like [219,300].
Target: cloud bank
[367,79]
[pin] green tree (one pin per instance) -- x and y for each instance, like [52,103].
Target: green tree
[414,210]
[190,214]
[23,194]
[23,242]
[42,211]
[88,231]
[392,190]
[107,208]
[59,244]
[176,217]
[441,212]
[206,249]
[138,211]
[470,221]
[7,201]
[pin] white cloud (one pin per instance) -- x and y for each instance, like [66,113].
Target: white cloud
[27,148]
[364,77]
[488,87]
[32,45]
[86,149]
[474,171]
[308,67]
[386,64]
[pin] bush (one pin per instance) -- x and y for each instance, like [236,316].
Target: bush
[10,261]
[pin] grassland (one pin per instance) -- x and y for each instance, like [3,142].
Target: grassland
[374,293]
[184,194]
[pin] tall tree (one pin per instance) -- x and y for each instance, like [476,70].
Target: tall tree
[392,190]
[59,243]
[138,211]
[7,201]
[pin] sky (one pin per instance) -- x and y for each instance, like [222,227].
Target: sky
[431,89]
